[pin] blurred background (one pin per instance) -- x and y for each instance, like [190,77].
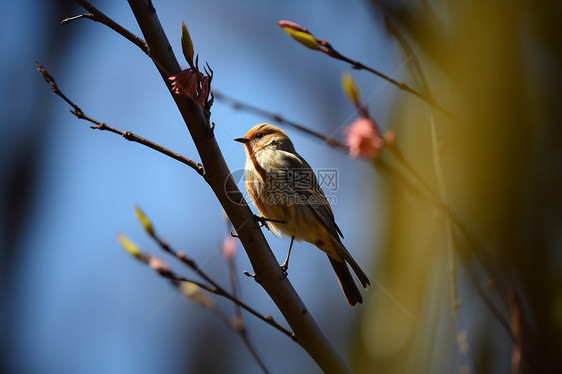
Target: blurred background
[73,301]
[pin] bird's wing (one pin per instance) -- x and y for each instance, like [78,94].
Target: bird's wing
[305,183]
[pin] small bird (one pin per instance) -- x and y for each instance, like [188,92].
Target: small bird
[286,193]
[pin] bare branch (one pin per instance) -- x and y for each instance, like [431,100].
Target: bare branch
[239,321]
[216,288]
[236,104]
[305,37]
[221,292]
[70,19]
[234,325]
[100,17]
[403,86]
[77,111]
[167,273]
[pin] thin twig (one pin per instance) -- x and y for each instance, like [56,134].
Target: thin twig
[448,228]
[381,165]
[70,19]
[239,105]
[215,287]
[324,46]
[239,321]
[128,135]
[236,324]
[176,280]
[449,238]
[221,292]
[403,86]
[328,49]
[431,196]
[397,153]
[496,312]
[100,17]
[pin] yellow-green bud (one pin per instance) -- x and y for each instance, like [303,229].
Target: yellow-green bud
[130,247]
[186,44]
[145,221]
[300,34]
[351,89]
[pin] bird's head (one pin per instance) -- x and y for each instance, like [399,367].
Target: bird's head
[266,137]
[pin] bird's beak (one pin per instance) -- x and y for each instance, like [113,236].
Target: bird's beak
[242,140]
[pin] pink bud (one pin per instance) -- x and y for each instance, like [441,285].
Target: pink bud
[185,82]
[192,83]
[292,25]
[158,265]
[363,138]
[229,247]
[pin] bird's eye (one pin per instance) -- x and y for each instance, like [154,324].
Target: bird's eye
[259,135]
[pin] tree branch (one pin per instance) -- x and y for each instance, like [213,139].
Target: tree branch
[403,86]
[70,19]
[98,16]
[215,287]
[239,321]
[164,271]
[306,38]
[77,111]
[236,104]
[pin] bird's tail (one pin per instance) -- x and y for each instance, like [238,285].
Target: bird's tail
[354,265]
[347,283]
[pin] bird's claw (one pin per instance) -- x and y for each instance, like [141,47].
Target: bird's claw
[262,221]
[284,269]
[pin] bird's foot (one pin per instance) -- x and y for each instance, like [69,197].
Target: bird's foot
[284,268]
[262,221]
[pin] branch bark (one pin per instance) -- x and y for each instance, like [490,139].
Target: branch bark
[268,271]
